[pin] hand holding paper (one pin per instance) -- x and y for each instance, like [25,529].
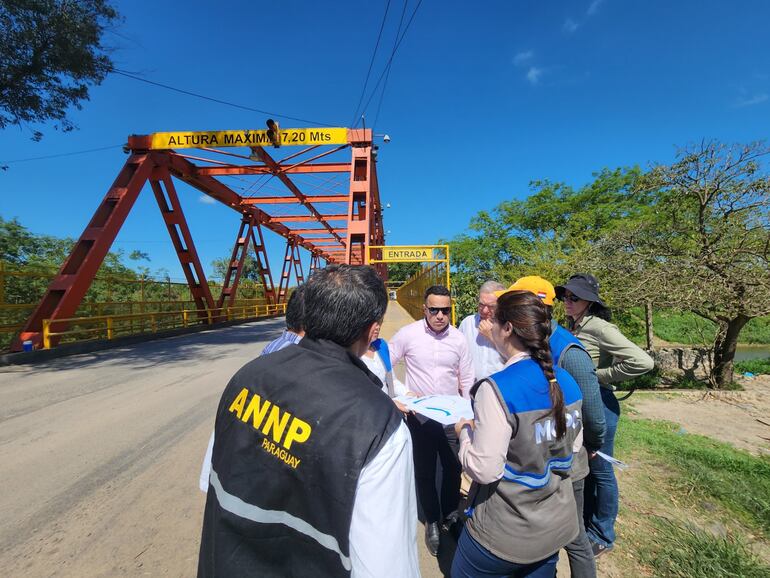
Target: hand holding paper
[445,409]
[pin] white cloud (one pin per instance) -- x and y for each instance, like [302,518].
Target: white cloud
[533,74]
[593,7]
[206,200]
[752,100]
[570,25]
[523,57]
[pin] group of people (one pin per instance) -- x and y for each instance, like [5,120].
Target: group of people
[316,469]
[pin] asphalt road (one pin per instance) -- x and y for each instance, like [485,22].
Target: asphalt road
[100,454]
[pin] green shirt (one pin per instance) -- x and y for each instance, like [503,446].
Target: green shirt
[614,355]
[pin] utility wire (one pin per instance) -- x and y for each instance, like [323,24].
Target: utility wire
[393,54]
[371,63]
[211,99]
[60,155]
[387,76]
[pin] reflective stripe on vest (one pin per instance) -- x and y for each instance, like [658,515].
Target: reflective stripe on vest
[238,507]
[534,480]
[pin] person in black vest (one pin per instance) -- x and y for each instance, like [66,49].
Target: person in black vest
[312,469]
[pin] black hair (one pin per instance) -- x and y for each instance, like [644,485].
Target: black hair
[436,290]
[531,323]
[600,311]
[342,301]
[295,310]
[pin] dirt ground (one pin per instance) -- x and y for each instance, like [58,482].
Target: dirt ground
[740,418]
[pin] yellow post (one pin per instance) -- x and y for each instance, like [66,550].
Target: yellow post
[46,334]
[184,317]
[109,328]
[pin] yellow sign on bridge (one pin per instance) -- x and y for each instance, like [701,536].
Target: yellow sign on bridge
[409,253]
[249,138]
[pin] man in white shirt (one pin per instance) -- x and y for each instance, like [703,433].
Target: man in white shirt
[303,484]
[486,359]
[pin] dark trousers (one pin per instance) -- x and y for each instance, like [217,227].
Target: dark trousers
[472,560]
[431,440]
[601,497]
[579,552]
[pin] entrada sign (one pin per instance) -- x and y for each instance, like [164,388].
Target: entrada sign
[248,138]
[401,254]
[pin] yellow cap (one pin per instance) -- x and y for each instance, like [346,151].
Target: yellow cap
[533,284]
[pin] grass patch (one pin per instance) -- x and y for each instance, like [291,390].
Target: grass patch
[705,468]
[755,366]
[685,551]
[684,327]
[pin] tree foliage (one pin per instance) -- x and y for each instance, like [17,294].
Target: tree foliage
[705,245]
[691,236]
[51,52]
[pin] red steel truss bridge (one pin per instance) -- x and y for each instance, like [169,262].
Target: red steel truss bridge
[336,219]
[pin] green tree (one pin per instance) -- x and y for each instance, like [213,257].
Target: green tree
[51,52]
[402,271]
[546,233]
[704,245]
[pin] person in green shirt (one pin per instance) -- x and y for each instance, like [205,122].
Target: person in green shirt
[616,359]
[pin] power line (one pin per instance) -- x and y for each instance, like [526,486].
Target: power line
[387,76]
[393,54]
[211,99]
[60,155]
[371,63]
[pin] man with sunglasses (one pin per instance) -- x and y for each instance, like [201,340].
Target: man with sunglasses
[437,362]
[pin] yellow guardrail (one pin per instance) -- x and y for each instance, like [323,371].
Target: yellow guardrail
[113,326]
[411,295]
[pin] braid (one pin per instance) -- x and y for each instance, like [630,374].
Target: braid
[531,325]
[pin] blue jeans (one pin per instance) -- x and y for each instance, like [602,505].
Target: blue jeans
[472,560]
[601,492]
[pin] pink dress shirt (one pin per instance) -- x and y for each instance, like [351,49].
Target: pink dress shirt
[436,363]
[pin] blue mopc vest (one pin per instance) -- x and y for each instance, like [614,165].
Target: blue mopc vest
[561,340]
[534,498]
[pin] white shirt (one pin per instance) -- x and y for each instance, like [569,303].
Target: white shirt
[486,359]
[377,367]
[383,539]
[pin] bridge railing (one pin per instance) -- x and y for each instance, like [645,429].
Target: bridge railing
[113,326]
[411,294]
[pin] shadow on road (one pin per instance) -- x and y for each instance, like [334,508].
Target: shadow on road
[211,344]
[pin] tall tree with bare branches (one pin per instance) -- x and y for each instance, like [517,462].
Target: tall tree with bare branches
[705,244]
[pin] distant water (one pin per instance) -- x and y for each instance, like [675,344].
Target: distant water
[745,352]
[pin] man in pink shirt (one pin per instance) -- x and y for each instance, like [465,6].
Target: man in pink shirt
[437,362]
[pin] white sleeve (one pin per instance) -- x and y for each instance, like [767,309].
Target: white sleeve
[383,539]
[398,387]
[203,482]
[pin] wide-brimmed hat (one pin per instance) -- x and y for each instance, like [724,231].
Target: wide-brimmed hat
[533,284]
[584,286]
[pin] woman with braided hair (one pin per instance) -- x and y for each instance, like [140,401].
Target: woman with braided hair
[518,451]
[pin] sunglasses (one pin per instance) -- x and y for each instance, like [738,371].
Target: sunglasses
[435,310]
[573,298]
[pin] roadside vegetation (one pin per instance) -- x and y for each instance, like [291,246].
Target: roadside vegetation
[681,250]
[691,506]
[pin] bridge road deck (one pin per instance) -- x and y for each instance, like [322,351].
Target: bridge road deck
[100,454]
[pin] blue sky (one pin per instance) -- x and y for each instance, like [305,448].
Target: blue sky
[482,98]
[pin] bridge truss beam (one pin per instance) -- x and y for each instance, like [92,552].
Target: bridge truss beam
[340,234]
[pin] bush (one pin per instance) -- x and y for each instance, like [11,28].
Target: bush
[755,366]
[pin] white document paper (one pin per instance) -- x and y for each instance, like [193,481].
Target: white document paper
[614,461]
[445,409]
